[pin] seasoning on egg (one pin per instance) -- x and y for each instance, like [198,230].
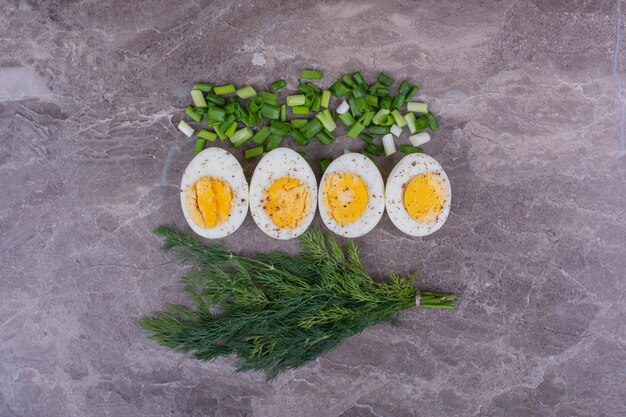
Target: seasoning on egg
[209,201]
[424,197]
[345,197]
[287,202]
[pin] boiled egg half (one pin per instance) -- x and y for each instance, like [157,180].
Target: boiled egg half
[214,194]
[351,195]
[418,195]
[283,194]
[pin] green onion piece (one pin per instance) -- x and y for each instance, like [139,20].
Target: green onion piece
[296,100]
[269,98]
[300,110]
[404,87]
[189,111]
[366,138]
[410,122]
[384,79]
[356,93]
[410,149]
[416,107]
[308,98]
[278,85]
[224,89]
[378,130]
[355,130]
[298,123]
[369,155]
[240,136]
[309,74]
[246,92]
[366,118]
[198,98]
[339,89]
[374,149]
[218,101]
[200,110]
[434,124]
[270,111]
[220,133]
[255,105]
[346,119]
[262,134]
[207,135]
[184,127]
[206,87]
[325,101]
[274,142]
[361,104]
[252,152]
[312,128]
[382,92]
[347,80]
[388,120]
[325,137]
[411,93]
[280,128]
[227,122]
[326,119]
[283,112]
[397,101]
[299,137]
[422,123]
[232,107]
[313,87]
[379,116]
[360,81]
[316,104]
[215,113]
[324,164]
[305,88]
[199,146]
[353,107]
[371,100]
[398,119]
[231,130]
[386,101]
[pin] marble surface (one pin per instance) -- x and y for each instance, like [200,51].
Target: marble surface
[530,96]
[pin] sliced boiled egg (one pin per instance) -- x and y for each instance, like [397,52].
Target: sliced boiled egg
[418,195]
[214,194]
[351,195]
[283,194]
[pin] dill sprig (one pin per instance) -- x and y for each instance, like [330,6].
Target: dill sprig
[277,311]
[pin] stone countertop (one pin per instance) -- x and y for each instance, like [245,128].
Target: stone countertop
[529,94]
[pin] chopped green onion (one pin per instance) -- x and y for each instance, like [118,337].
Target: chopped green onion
[419,139]
[262,134]
[241,136]
[305,88]
[215,113]
[269,98]
[366,138]
[411,93]
[398,119]
[206,87]
[374,149]
[355,130]
[184,127]
[357,93]
[255,105]
[382,92]
[191,112]
[274,142]
[218,101]
[395,130]
[343,107]
[326,119]
[353,107]
[316,104]
[387,120]
[313,87]
[388,144]
[378,130]
[346,119]
[366,118]
[312,128]
[347,80]
[309,74]
[198,98]
[384,79]
[199,146]
[422,123]
[283,112]
[231,130]
[270,111]
[299,137]
[361,104]
[416,107]
[298,123]
[300,110]
[410,149]
[371,100]
[224,89]
[280,128]
[232,107]
[227,122]
[207,135]
[385,102]
[360,81]
[278,85]
[379,116]
[325,137]
[296,100]
[220,133]
[325,101]
[404,87]
[252,152]
[246,92]
[339,89]
[397,102]
[324,164]
[369,155]
[309,97]
[410,122]
[434,124]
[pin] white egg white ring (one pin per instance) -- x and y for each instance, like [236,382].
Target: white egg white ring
[219,163]
[281,162]
[362,166]
[409,167]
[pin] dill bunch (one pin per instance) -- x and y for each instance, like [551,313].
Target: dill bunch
[276,311]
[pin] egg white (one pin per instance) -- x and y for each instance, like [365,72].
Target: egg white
[219,163]
[281,162]
[409,167]
[362,166]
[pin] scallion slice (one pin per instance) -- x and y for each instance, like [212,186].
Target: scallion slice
[324,164]
[255,105]
[296,100]
[325,100]
[283,112]
[419,139]
[395,130]
[353,107]
[422,123]
[411,93]
[198,98]
[270,111]
[207,135]
[380,115]
[269,98]
[416,107]
[404,87]
[387,120]
[384,79]
[309,74]
[360,81]
[299,137]
[371,100]
[378,130]
[410,149]
[216,113]
[343,107]
[278,85]
[252,152]
[313,127]
[227,122]
[339,89]
[231,130]
[316,103]
[325,137]
[355,130]
[246,92]
[398,119]
[191,112]
[409,118]
[326,119]
[397,101]
[298,123]
[241,136]
[300,110]
[374,149]
[346,119]
[274,142]
[224,89]
[199,146]
[388,144]
[206,87]
[347,80]
[280,128]
[432,120]
[184,127]
[366,138]
[366,118]
[385,102]
[220,133]
[262,134]
[218,101]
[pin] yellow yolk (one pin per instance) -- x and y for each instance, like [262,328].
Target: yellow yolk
[287,202]
[424,197]
[345,197]
[209,201]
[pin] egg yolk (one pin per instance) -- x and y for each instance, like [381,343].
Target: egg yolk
[424,197]
[287,202]
[345,197]
[209,201]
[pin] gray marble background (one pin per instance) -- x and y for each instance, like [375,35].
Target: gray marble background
[530,98]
